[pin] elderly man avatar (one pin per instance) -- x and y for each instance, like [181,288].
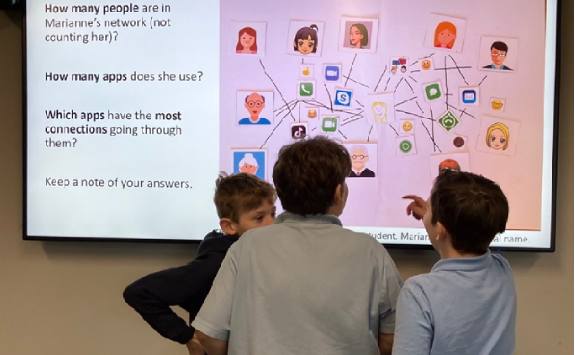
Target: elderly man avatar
[254,104]
[359,158]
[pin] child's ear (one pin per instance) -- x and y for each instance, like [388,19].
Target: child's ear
[442,233]
[227,226]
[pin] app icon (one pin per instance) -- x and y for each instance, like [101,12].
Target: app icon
[469,96]
[332,72]
[432,91]
[407,126]
[458,142]
[405,146]
[306,71]
[329,124]
[343,97]
[298,131]
[448,120]
[497,104]
[312,113]
[306,88]
[379,111]
[426,64]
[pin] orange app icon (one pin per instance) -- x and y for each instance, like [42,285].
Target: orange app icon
[426,64]
[312,113]
[497,104]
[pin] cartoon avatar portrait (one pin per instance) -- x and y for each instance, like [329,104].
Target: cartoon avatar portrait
[358,34]
[445,34]
[249,162]
[306,40]
[251,108]
[379,111]
[379,108]
[440,163]
[449,164]
[247,41]
[497,136]
[359,155]
[498,52]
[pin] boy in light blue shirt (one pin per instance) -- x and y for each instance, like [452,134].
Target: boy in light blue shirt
[467,303]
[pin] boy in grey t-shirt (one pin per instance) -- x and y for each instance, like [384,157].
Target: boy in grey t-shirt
[467,303]
[304,285]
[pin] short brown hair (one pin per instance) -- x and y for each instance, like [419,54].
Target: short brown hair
[239,193]
[307,173]
[471,207]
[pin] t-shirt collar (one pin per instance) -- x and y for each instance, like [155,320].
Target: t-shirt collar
[288,217]
[472,263]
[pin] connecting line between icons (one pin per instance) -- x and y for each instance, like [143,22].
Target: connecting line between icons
[459,70]
[369,133]
[462,111]
[329,97]
[282,108]
[411,87]
[446,85]
[387,83]
[393,128]
[355,81]
[404,101]
[343,135]
[350,69]
[380,78]
[419,106]
[278,90]
[431,137]
[427,56]
[481,82]
[274,129]
[415,114]
[348,122]
[397,85]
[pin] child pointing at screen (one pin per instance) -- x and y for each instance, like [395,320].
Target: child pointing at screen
[467,303]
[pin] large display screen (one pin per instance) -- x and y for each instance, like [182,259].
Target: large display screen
[133,108]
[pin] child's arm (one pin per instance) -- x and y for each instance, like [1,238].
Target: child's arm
[213,346]
[414,328]
[385,343]
[185,286]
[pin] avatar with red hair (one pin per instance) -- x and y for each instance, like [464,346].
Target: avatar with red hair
[445,34]
[247,41]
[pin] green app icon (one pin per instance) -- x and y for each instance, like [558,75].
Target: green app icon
[405,146]
[329,124]
[433,91]
[305,89]
[448,120]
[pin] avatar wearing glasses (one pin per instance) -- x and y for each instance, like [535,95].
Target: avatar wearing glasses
[498,55]
[254,104]
[359,159]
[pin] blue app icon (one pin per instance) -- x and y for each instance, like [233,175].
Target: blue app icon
[331,72]
[342,97]
[469,96]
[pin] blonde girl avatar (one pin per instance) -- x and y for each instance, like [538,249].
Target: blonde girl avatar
[305,40]
[445,34]
[497,136]
[358,35]
[247,41]
[379,111]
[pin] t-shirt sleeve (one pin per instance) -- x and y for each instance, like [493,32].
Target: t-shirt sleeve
[414,329]
[390,287]
[213,319]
